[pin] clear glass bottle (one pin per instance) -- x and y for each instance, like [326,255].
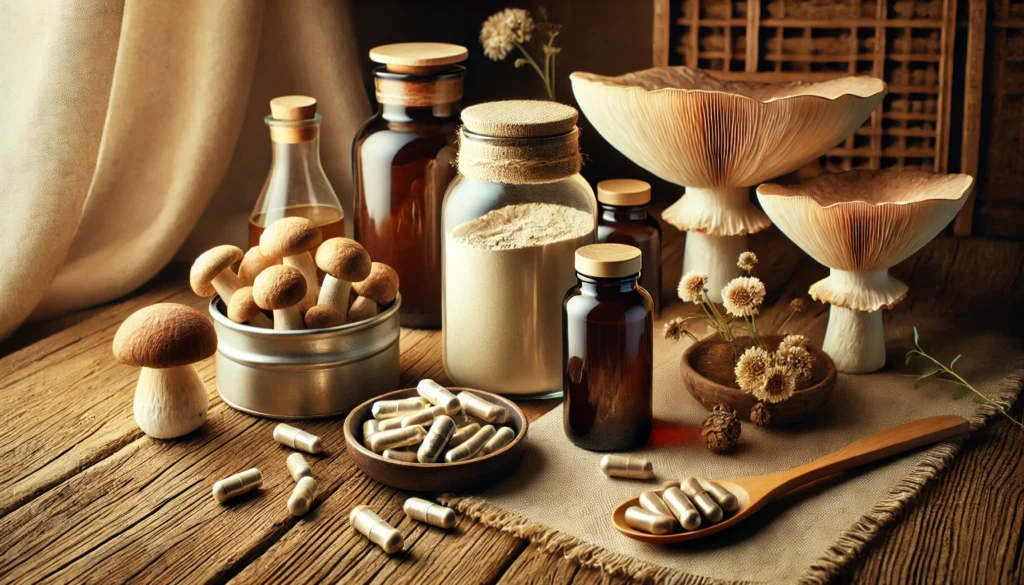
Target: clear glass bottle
[403,160]
[296,185]
[513,219]
[623,219]
[608,360]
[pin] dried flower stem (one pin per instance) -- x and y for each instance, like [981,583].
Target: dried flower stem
[543,74]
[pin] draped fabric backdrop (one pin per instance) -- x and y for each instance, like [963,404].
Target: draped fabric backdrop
[132,129]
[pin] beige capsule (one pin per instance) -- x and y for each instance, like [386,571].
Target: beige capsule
[671,483]
[406,455]
[463,434]
[396,438]
[438,395]
[423,417]
[629,467]
[237,484]
[649,522]
[370,525]
[385,409]
[302,496]
[290,436]
[652,502]
[429,512]
[298,467]
[725,499]
[682,508]
[390,424]
[437,439]
[702,500]
[482,409]
[501,438]
[370,427]
[472,446]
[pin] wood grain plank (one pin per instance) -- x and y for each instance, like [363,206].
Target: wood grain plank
[535,566]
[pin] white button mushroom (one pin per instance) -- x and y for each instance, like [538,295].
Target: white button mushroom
[211,273]
[291,239]
[243,309]
[324,316]
[860,224]
[376,291]
[343,261]
[165,340]
[279,289]
[253,263]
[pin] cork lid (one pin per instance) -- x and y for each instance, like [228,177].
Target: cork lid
[520,119]
[418,57]
[624,192]
[293,107]
[608,260]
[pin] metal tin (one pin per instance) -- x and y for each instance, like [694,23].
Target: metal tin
[305,373]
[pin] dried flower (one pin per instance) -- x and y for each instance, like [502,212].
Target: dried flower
[691,287]
[794,341]
[751,369]
[747,262]
[674,329]
[760,415]
[504,30]
[797,359]
[798,305]
[721,429]
[778,385]
[743,295]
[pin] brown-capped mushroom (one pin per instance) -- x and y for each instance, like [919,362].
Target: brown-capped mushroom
[291,239]
[211,273]
[362,309]
[253,263]
[279,289]
[343,261]
[380,286]
[324,316]
[165,340]
[243,309]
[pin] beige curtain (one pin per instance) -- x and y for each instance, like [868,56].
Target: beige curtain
[131,130]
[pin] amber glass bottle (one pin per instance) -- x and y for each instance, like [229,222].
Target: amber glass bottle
[403,160]
[608,351]
[623,219]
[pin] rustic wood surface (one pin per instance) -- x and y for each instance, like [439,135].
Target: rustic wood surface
[86,497]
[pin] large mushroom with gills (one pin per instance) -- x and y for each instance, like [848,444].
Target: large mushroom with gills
[860,224]
[718,138]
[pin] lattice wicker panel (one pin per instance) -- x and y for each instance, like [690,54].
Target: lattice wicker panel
[906,42]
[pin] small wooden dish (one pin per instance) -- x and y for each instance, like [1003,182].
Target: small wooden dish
[436,477]
[704,375]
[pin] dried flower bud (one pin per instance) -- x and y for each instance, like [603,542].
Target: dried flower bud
[721,429]
[760,415]
[691,287]
[751,369]
[794,341]
[674,329]
[779,385]
[743,295]
[798,305]
[797,359]
[502,31]
[747,262]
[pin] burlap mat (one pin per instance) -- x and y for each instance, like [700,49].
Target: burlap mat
[559,500]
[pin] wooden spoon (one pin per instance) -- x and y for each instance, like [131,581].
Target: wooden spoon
[754,493]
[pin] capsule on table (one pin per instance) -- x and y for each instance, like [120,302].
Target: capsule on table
[472,446]
[501,438]
[682,508]
[370,525]
[725,499]
[482,409]
[237,484]
[463,434]
[424,417]
[406,455]
[429,512]
[290,436]
[437,439]
[438,395]
[649,522]
[396,438]
[702,500]
[302,496]
[623,466]
[298,467]
[385,409]
[652,502]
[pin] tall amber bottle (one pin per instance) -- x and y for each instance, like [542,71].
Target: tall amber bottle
[623,219]
[403,160]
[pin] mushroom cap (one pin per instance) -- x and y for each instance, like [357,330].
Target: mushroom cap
[253,263]
[279,287]
[242,306]
[381,286]
[343,259]
[324,316]
[289,236]
[164,335]
[692,129]
[864,221]
[209,264]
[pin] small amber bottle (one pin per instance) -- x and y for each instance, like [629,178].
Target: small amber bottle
[608,355]
[623,219]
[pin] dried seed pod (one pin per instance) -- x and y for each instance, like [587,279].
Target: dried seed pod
[721,429]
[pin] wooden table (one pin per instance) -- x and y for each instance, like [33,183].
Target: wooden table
[85,496]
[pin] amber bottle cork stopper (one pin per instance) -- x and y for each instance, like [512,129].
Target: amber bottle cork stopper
[418,58]
[293,107]
[624,192]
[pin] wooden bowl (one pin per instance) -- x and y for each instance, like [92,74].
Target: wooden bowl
[436,477]
[705,374]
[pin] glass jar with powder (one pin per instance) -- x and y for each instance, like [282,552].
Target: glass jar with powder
[513,219]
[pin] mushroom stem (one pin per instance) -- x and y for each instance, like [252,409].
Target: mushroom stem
[305,264]
[261,320]
[288,318]
[226,283]
[855,340]
[170,402]
[716,256]
[335,292]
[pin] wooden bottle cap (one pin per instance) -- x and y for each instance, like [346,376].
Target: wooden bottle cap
[418,57]
[293,107]
[624,192]
[608,260]
[520,119]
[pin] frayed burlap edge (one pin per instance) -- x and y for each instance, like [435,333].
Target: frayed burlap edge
[837,557]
